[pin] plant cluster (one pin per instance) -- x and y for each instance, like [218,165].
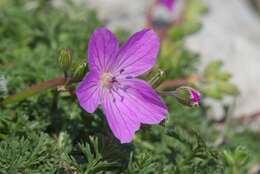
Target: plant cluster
[47,132]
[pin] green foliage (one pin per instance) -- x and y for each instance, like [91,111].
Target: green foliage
[216,82]
[3,87]
[191,24]
[143,163]
[49,133]
[195,156]
[235,159]
[91,161]
[37,31]
[176,60]
[34,154]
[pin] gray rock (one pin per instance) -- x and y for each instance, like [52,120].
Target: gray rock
[124,14]
[231,32]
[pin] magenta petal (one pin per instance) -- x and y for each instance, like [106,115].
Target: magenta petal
[138,54]
[126,108]
[102,49]
[88,92]
[147,104]
[195,96]
[119,118]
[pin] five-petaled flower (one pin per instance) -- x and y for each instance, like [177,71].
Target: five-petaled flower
[111,82]
[169,4]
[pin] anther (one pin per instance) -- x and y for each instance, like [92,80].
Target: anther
[113,79]
[121,71]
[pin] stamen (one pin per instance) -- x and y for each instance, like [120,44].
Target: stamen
[106,79]
[121,71]
[124,88]
[114,99]
[122,97]
[113,80]
[110,82]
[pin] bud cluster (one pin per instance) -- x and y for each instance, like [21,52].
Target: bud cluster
[73,72]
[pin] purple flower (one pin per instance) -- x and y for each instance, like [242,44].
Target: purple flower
[169,4]
[111,82]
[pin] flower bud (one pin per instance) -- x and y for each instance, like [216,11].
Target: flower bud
[65,59]
[157,78]
[187,96]
[78,71]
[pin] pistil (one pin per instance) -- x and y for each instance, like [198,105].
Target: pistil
[106,79]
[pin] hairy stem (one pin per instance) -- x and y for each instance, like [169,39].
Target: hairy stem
[168,84]
[34,89]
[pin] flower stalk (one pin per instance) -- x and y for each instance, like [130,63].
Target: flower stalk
[34,89]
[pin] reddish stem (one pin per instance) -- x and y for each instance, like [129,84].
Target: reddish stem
[53,83]
[178,82]
[172,83]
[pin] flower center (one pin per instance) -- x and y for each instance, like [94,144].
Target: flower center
[106,79]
